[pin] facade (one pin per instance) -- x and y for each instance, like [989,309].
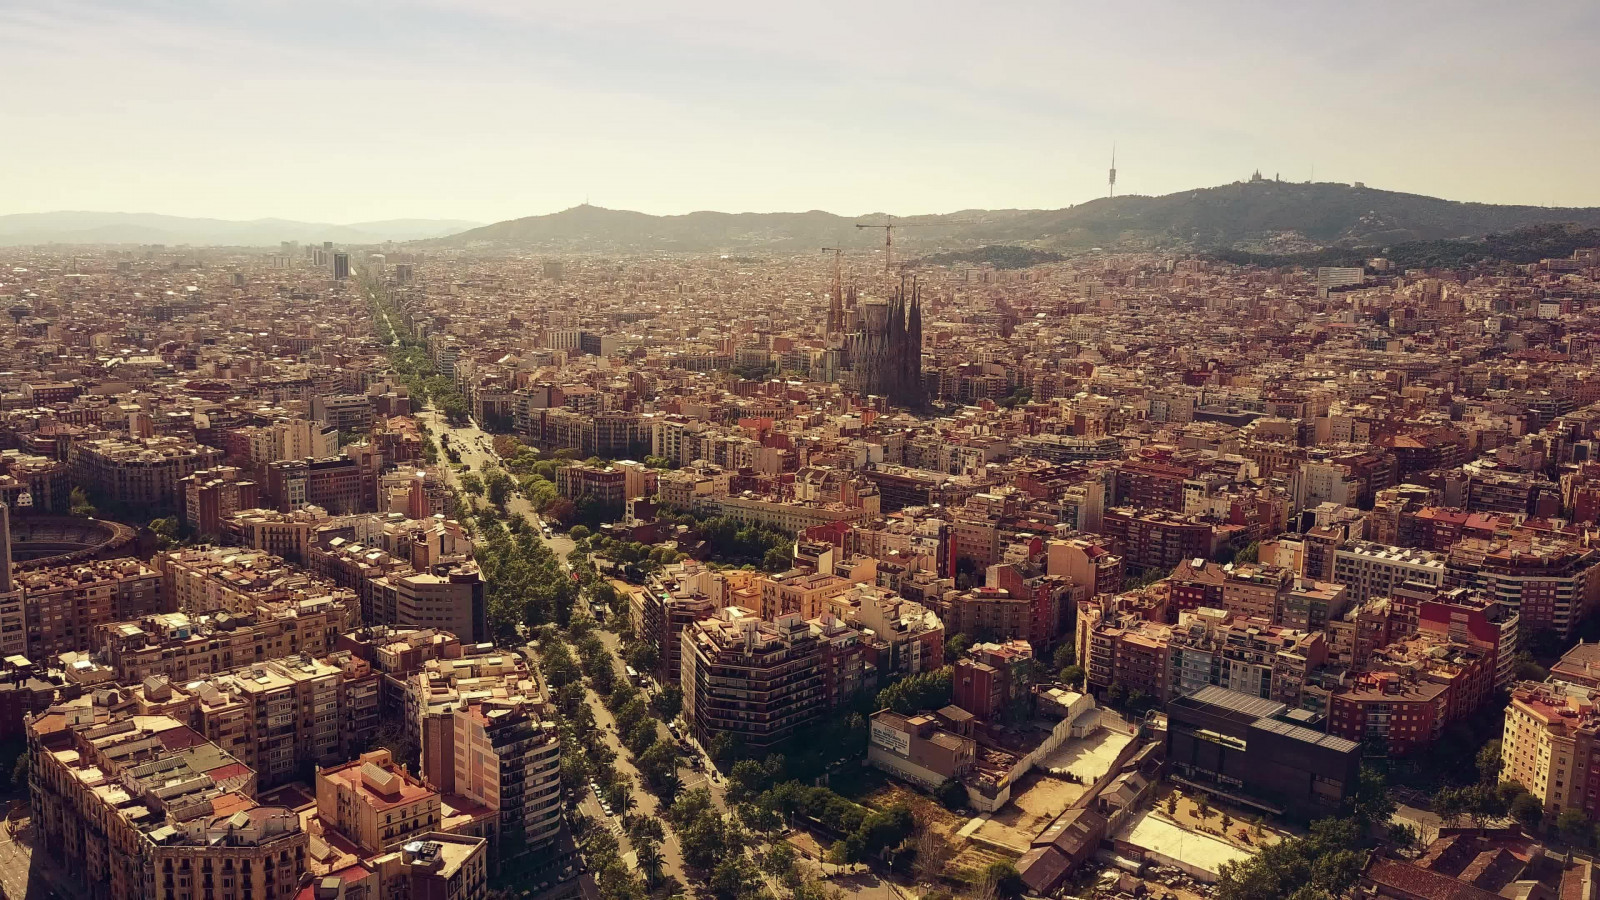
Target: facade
[1551,746]
[211,496]
[1243,748]
[64,606]
[1371,570]
[450,600]
[605,486]
[1553,585]
[1414,689]
[1157,540]
[993,612]
[759,681]
[798,591]
[280,717]
[1249,656]
[508,759]
[182,648]
[336,483]
[376,803]
[917,749]
[144,808]
[144,473]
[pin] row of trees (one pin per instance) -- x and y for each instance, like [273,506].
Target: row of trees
[523,579]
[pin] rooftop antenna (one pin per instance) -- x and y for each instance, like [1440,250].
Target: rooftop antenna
[1113,192]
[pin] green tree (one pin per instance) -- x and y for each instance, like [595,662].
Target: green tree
[650,861]
[1527,811]
[951,794]
[725,748]
[81,506]
[1004,879]
[165,530]
[1449,804]
[19,771]
[669,702]
[779,860]
[1065,655]
[1403,836]
[472,484]
[1489,762]
[1574,827]
[956,646]
[734,878]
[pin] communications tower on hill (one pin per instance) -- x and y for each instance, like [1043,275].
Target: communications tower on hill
[1113,192]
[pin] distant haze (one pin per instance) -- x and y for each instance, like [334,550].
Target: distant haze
[146,228]
[486,110]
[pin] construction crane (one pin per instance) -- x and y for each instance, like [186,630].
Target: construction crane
[889,225]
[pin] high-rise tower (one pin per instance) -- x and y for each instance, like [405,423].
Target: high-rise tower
[1113,192]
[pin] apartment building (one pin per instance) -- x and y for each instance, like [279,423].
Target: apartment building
[507,758]
[788,517]
[991,611]
[1414,690]
[1371,570]
[183,648]
[211,496]
[1552,584]
[144,473]
[1238,653]
[1157,540]
[338,484]
[810,594]
[450,598]
[902,637]
[201,580]
[1551,745]
[62,607]
[1123,649]
[758,680]
[345,412]
[144,808]
[375,802]
[280,717]
[1476,620]
[604,486]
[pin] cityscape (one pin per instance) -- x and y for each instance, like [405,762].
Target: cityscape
[413,533]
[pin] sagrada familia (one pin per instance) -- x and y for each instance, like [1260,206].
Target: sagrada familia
[886,347]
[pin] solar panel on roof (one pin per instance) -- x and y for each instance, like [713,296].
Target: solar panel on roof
[1237,702]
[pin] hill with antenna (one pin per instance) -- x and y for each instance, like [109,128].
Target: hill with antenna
[1260,215]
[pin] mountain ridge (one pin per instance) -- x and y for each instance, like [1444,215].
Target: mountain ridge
[1263,216]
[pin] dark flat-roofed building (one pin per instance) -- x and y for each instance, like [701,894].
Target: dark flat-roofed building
[1247,748]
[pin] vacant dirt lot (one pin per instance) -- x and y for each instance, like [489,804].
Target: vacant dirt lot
[1035,800]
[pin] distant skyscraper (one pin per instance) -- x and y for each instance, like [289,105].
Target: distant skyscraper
[341,266]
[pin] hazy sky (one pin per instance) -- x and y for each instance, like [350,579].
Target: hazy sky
[491,109]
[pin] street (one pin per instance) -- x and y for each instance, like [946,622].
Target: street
[465,440]
[476,449]
[28,876]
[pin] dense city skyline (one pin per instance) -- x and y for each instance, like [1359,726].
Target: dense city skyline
[404,497]
[488,111]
